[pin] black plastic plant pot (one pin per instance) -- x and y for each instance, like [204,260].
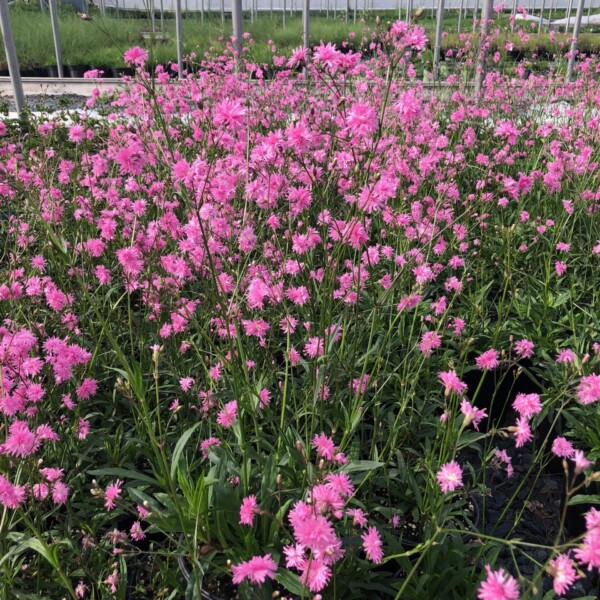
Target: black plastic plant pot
[52,71]
[77,71]
[120,72]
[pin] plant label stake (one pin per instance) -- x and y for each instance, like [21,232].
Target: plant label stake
[11,56]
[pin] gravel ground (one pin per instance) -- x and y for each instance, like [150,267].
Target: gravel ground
[45,102]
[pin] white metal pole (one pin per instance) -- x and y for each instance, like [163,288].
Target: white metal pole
[438,39]
[238,28]
[283,15]
[541,16]
[460,14]
[306,22]
[575,40]
[179,37]
[569,9]
[11,56]
[486,15]
[56,36]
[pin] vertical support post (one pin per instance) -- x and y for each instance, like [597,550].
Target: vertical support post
[238,28]
[569,9]
[162,15]
[513,14]
[475,9]
[575,40]
[439,27]
[56,36]
[409,9]
[222,9]
[460,14]
[283,14]
[355,7]
[11,56]
[179,37]
[152,17]
[306,23]
[202,12]
[541,16]
[486,15]
[347,10]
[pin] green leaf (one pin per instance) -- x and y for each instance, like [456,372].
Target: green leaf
[125,474]
[291,582]
[360,466]
[583,499]
[180,446]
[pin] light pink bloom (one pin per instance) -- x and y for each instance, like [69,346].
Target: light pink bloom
[226,418]
[372,545]
[472,414]
[527,405]
[248,510]
[499,585]
[524,348]
[112,493]
[581,462]
[135,56]
[588,391]
[450,477]
[562,447]
[563,570]
[522,432]
[256,570]
[488,360]
[452,382]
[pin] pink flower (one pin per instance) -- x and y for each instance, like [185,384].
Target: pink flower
[226,418]
[581,462]
[135,56]
[372,545]
[522,432]
[60,492]
[256,570]
[560,267]
[562,569]
[524,348]
[136,532]
[566,356]
[588,391]
[499,585]
[472,414]
[315,574]
[11,496]
[325,446]
[452,382]
[488,360]
[112,493]
[206,444]
[21,441]
[527,405]
[429,342]
[450,477]
[562,447]
[589,552]
[248,509]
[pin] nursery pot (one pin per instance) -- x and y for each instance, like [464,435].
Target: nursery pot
[77,71]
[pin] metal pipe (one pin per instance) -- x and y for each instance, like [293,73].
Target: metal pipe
[179,37]
[56,36]
[486,16]
[237,17]
[306,23]
[575,40]
[569,9]
[438,39]
[11,56]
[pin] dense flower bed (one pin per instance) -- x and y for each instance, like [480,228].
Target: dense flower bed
[270,333]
